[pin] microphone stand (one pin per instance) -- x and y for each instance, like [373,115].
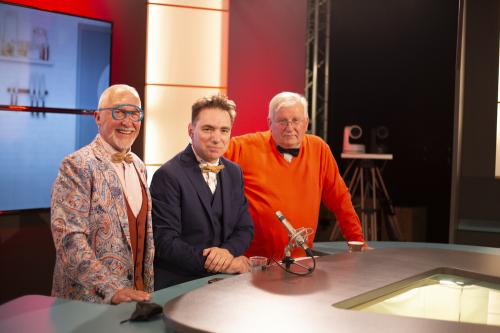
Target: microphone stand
[288,261]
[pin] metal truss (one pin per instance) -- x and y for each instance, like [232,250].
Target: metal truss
[317,65]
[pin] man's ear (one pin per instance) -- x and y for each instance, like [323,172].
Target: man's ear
[97,116]
[190,130]
[269,122]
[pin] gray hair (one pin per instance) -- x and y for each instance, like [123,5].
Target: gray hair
[286,99]
[114,89]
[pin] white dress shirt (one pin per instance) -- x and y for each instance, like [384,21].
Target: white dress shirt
[129,179]
[210,177]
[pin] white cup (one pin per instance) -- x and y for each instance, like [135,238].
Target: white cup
[355,246]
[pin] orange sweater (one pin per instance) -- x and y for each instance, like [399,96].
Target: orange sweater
[296,189]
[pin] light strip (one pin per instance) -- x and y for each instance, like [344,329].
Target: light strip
[185,86]
[186,59]
[188,7]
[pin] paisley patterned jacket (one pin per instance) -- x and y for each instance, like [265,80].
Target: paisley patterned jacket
[91,231]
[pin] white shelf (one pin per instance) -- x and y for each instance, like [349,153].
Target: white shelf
[363,156]
[26,60]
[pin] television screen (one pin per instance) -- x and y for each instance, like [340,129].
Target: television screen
[53,67]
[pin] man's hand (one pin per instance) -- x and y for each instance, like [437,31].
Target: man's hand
[129,295]
[218,259]
[239,264]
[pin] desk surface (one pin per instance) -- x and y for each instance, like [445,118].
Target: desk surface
[48,314]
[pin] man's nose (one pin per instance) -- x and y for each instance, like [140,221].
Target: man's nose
[216,136]
[127,121]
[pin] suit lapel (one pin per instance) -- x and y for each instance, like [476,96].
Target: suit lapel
[114,186]
[225,184]
[141,171]
[194,175]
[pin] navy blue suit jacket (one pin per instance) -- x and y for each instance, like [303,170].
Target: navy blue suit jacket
[183,224]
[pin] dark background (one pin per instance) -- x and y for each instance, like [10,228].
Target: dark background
[393,65]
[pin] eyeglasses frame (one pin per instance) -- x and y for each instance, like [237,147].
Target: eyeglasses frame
[127,112]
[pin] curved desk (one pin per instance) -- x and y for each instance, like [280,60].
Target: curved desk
[275,301]
[47,314]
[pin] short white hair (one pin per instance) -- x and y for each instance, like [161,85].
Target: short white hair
[116,88]
[286,99]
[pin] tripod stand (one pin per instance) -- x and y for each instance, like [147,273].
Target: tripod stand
[364,165]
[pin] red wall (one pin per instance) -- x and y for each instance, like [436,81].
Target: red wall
[128,58]
[266,56]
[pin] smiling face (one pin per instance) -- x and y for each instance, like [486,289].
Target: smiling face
[120,134]
[210,133]
[288,126]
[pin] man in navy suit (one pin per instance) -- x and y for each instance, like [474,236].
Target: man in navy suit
[201,223]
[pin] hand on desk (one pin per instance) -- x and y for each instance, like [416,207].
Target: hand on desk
[129,295]
[218,259]
[239,264]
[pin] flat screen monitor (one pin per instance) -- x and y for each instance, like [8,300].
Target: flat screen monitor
[53,66]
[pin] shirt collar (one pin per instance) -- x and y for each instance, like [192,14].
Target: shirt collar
[201,161]
[291,151]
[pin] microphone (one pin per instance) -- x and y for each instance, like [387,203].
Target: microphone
[294,234]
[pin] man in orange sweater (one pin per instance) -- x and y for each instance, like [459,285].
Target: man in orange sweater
[288,170]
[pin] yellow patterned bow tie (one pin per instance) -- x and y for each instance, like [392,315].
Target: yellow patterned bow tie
[122,157]
[211,168]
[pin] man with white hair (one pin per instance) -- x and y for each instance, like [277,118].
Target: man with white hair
[288,170]
[101,211]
